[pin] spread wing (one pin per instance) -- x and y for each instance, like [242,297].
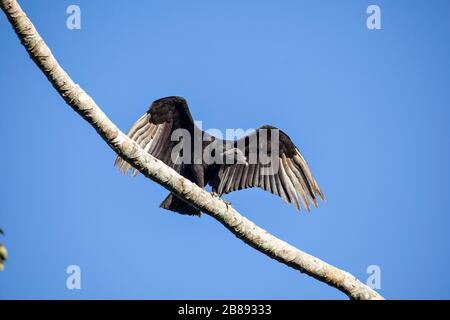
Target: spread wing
[153,131]
[292,180]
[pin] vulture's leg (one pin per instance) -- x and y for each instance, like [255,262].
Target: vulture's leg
[216,195]
[199,174]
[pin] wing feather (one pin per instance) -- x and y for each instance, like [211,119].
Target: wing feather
[238,177]
[231,178]
[267,183]
[153,131]
[256,176]
[224,179]
[280,189]
[273,185]
[251,172]
[244,174]
[287,184]
[297,185]
[293,182]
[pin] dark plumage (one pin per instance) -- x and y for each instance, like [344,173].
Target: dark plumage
[293,182]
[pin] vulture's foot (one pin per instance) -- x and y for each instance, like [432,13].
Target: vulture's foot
[216,195]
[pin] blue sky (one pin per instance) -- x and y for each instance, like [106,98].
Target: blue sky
[370,110]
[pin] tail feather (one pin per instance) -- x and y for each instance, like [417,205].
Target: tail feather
[173,203]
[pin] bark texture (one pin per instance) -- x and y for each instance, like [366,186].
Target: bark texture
[157,171]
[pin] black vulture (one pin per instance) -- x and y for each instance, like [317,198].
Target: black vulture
[266,158]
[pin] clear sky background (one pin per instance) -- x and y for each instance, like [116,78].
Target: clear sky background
[370,110]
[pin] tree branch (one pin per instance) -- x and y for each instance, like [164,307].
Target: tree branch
[157,171]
